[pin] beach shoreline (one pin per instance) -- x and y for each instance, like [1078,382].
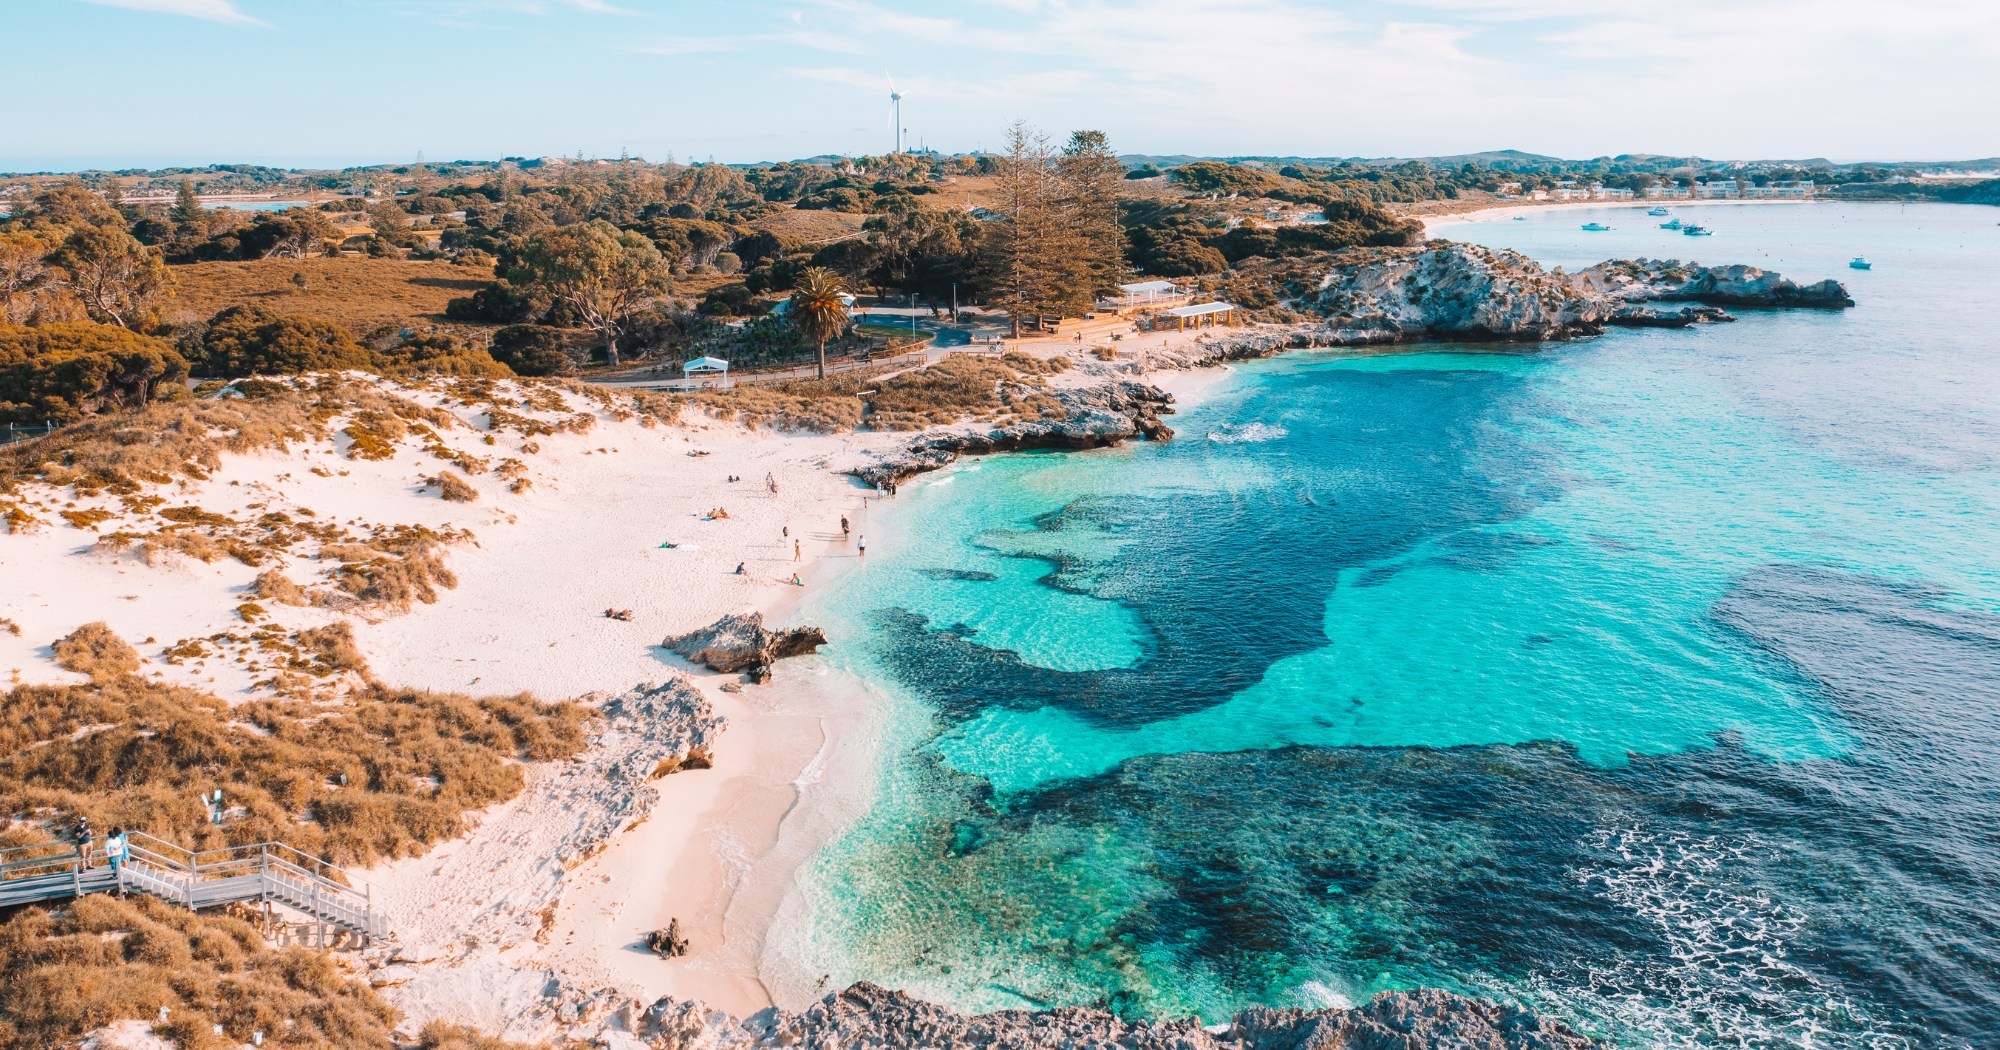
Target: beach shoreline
[794,768]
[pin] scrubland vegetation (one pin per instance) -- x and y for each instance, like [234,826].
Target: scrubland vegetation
[100,959]
[962,387]
[382,774]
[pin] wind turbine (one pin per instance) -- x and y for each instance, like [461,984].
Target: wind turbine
[895,113]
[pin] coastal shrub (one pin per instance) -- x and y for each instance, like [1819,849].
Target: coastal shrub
[65,372]
[1212,176]
[532,350]
[102,959]
[94,650]
[256,340]
[441,355]
[383,774]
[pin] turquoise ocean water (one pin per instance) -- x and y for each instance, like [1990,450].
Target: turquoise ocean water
[1650,679]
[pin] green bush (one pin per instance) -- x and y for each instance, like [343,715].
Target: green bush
[64,372]
[257,340]
[531,350]
[441,355]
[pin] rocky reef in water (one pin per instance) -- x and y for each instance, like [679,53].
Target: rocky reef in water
[865,1017]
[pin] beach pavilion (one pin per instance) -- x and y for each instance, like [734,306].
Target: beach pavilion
[1213,313]
[1146,293]
[707,368]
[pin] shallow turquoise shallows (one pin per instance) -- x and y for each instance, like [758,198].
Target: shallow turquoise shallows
[1651,679]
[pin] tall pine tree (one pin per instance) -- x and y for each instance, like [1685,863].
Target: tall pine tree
[187,206]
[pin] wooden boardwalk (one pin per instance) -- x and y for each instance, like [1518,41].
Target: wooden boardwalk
[268,872]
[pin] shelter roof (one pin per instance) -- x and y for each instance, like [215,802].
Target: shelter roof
[1147,286]
[705,364]
[1200,309]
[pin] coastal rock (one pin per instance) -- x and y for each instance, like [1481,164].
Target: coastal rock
[740,642]
[1468,292]
[868,1016]
[1098,417]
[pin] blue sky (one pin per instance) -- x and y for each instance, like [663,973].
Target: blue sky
[146,83]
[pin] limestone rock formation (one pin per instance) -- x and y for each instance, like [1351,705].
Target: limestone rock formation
[1098,417]
[740,642]
[865,1016]
[1468,292]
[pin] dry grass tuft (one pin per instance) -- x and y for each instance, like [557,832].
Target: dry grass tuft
[10,626]
[274,586]
[437,1035]
[452,488]
[93,650]
[100,959]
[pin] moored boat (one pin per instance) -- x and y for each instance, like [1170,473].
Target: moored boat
[1674,225]
[1595,226]
[1693,230]
[1860,263]
[1659,211]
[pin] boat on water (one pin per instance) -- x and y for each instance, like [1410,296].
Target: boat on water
[1595,226]
[1659,211]
[1693,230]
[1674,225]
[1860,263]
[1520,218]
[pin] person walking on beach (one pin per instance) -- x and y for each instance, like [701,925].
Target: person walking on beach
[843,526]
[770,482]
[798,553]
[862,545]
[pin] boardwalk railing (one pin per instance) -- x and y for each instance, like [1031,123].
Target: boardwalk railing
[267,871]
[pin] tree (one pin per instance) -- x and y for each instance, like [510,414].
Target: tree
[596,270]
[63,372]
[24,275]
[818,309]
[187,206]
[1091,173]
[390,223]
[1038,259]
[119,280]
[291,234]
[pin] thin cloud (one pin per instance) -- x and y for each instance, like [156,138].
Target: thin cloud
[211,10]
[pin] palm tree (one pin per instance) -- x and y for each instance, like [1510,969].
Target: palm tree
[819,309]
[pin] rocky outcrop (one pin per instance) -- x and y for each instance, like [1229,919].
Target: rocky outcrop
[1471,293]
[740,642]
[1098,417]
[1654,280]
[865,1016]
